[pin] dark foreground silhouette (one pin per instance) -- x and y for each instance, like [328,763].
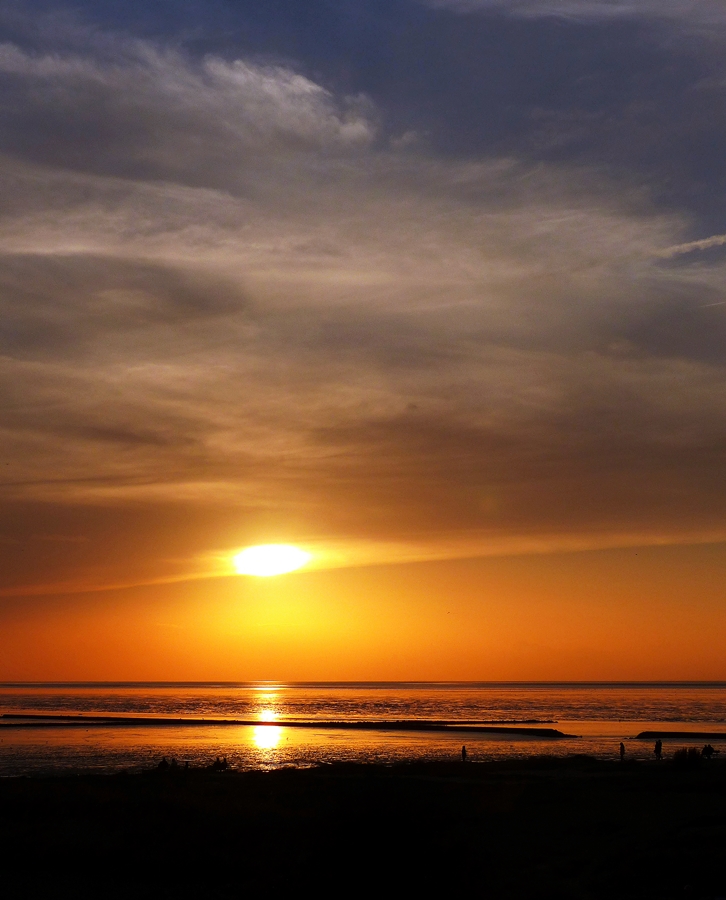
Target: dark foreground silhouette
[540,828]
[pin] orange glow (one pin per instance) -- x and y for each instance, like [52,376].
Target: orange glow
[613,615]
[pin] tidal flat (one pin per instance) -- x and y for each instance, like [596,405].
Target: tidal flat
[545,827]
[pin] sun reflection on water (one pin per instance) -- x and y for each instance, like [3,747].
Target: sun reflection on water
[266,737]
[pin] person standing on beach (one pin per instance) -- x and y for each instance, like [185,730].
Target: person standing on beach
[658,750]
[463,753]
[622,751]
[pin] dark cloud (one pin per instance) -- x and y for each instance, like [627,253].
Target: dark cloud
[622,87]
[54,305]
[690,327]
[598,464]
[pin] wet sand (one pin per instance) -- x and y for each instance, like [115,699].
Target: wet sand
[539,828]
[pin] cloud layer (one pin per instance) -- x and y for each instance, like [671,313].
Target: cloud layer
[240,302]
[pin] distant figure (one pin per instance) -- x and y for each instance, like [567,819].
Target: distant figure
[622,751]
[658,750]
[174,763]
[708,751]
[463,753]
[163,765]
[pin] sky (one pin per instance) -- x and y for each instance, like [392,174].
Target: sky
[432,289]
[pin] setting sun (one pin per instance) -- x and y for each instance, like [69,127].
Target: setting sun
[270,559]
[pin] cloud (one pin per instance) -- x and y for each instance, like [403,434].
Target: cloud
[143,110]
[704,12]
[716,240]
[231,312]
[58,305]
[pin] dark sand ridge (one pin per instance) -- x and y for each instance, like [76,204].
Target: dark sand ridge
[681,735]
[539,828]
[41,720]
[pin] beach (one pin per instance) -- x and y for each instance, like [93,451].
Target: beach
[573,827]
[49,729]
[346,788]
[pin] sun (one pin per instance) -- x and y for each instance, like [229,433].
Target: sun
[270,559]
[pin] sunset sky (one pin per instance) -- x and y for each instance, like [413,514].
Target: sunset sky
[434,290]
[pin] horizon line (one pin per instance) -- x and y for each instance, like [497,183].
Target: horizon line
[370,684]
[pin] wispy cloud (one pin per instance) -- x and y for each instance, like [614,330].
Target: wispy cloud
[716,240]
[704,12]
[142,110]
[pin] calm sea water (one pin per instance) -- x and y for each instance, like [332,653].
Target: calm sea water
[598,716]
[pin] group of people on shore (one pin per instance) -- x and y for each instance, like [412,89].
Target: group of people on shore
[220,764]
[173,766]
[707,752]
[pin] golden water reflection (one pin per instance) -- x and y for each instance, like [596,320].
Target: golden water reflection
[266,737]
[267,701]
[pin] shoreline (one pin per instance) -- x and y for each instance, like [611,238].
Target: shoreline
[541,764]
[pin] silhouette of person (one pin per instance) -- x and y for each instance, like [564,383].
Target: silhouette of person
[658,749]
[707,752]
[463,753]
[163,765]
[622,751]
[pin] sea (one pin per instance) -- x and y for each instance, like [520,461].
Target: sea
[107,727]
